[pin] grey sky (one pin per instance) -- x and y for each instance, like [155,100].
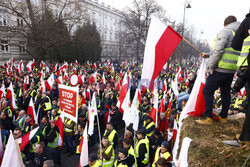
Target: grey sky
[205,16]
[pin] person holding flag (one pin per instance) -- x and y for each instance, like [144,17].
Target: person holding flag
[107,153]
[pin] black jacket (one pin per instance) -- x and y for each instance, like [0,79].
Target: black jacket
[241,33]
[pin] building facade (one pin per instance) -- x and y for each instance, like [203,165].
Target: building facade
[109,23]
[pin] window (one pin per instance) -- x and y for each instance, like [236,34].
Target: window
[22,48]
[19,22]
[4,46]
[3,19]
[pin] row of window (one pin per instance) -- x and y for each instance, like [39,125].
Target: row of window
[6,49]
[4,21]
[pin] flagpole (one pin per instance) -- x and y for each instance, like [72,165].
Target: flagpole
[192,46]
[99,132]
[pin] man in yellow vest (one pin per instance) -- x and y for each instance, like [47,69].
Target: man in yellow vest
[162,152]
[127,144]
[93,160]
[111,133]
[122,160]
[69,125]
[222,64]
[107,153]
[142,148]
[241,42]
[149,125]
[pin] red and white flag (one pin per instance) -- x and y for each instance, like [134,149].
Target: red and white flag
[84,158]
[93,78]
[154,111]
[32,112]
[2,91]
[42,87]
[12,154]
[24,140]
[81,79]
[92,113]
[135,109]
[59,80]
[60,125]
[20,67]
[161,43]
[126,108]
[103,79]
[55,67]
[11,95]
[64,66]
[123,93]
[29,66]
[50,81]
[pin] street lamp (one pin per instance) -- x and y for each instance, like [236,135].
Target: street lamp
[186,5]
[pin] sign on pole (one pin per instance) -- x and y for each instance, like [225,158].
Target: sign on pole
[69,101]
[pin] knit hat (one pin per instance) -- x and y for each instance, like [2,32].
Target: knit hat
[124,151]
[92,157]
[141,131]
[165,144]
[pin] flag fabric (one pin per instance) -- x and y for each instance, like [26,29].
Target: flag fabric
[154,111]
[11,95]
[24,140]
[59,80]
[84,149]
[12,154]
[50,81]
[126,108]
[93,78]
[160,44]
[2,91]
[64,66]
[29,66]
[103,79]
[60,125]
[92,113]
[183,158]
[32,112]
[135,109]
[42,87]
[123,93]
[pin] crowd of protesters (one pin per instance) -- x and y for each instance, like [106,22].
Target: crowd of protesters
[121,145]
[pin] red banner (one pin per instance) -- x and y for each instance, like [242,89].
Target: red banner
[69,101]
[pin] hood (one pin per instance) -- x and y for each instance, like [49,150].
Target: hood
[233,26]
[248,15]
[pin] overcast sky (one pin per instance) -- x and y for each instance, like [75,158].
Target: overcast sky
[205,16]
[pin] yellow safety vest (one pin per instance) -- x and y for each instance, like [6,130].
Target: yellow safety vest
[146,142]
[120,165]
[32,149]
[229,57]
[111,135]
[77,147]
[68,122]
[97,164]
[244,52]
[109,163]
[165,155]
[54,144]
[131,151]
[149,126]
[237,103]
[48,105]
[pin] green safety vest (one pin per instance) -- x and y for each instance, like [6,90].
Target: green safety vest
[54,144]
[229,57]
[165,155]
[149,126]
[146,142]
[244,52]
[111,135]
[109,163]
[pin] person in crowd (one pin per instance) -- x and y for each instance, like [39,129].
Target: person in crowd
[6,121]
[69,125]
[131,158]
[111,133]
[107,153]
[162,152]
[48,163]
[93,160]
[122,160]
[222,64]
[142,148]
[149,125]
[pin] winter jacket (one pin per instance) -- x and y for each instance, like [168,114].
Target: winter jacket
[224,40]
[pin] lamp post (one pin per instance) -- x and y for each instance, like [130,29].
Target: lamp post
[186,5]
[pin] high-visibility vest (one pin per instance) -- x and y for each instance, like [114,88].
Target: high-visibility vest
[119,165]
[111,135]
[109,163]
[146,156]
[97,164]
[32,93]
[9,111]
[68,122]
[244,52]
[32,149]
[165,155]
[54,144]
[48,105]
[229,57]
[131,151]
[53,118]
[20,92]
[77,147]
[237,103]
[149,126]
[20,122]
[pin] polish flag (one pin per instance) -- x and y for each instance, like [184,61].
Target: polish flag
[242,92]
[196,103]
[33,63]
[165,86]
[81,79]
[66,77]
[87,94]
[24,140]
[11,95]
[161,43]
[76,63]
[64,66]
[29,66]
[42,64]
[126,108]
[55,67]
[59,80]
[42,87]
[103,79]
[50,81]
[91,114]
[2,91]
[94,65]
[135,109]
[47,69]
[60,125]
[12,154]
[20,67]
[26,82]
[154,111]
[174,130]
[32,112]
[162,104]
[93,78]
[84,149]
[123,93]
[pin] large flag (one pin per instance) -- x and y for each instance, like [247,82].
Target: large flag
[93,78]
[29,66]
[24,140]
[92,113]
[84,149]
[12,154]
[161,43]
[50,81]
[11,95]
[32,112]
[126,108]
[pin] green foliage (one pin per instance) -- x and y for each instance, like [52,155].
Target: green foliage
[87,43]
